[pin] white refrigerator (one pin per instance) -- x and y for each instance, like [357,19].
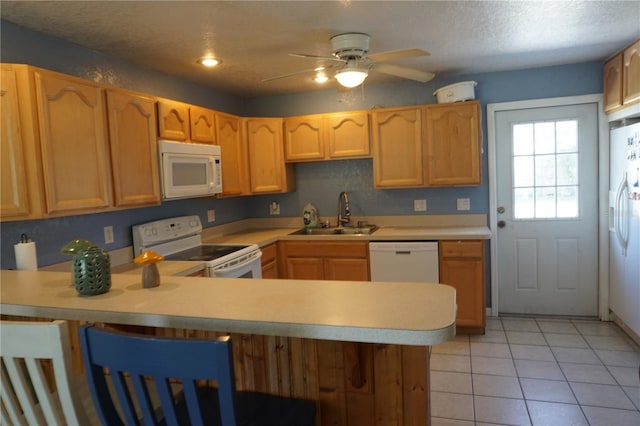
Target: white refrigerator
[624,223]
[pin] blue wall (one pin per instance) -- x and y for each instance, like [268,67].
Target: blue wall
[319,183]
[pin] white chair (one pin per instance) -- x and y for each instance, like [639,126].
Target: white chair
[27,397]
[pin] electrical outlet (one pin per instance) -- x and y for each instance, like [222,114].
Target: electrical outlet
[464,204]
[420,205]
[211,215]
[274,208]
[108,235]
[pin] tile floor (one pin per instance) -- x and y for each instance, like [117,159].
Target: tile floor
[535,371]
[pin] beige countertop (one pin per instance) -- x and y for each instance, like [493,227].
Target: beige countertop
[393,313]
[263,237]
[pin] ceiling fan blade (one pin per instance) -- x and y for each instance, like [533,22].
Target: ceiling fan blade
[303,55]
[397,54]
[316,69]
[404,72]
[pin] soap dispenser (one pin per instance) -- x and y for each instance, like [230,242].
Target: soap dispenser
[310,216]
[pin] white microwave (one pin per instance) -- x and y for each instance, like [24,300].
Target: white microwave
[189,170]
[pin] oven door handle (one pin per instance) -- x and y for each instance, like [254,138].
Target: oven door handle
[249,259]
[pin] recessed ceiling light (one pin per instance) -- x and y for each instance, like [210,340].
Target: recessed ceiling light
[209,62]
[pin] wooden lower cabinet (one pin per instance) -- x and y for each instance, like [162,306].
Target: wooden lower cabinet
[325,260]
[269,261]
[462,267]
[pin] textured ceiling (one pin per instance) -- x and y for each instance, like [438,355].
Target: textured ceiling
[253,38]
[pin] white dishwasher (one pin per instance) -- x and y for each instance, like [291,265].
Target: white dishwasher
[404,261]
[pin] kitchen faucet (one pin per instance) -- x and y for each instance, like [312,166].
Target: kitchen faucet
[346,218]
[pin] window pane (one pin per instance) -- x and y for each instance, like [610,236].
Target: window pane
[523,139]
[545,138]
[568,201]
[567,136]
[545,202]
[523,171]
[523,204]
[567,169]
[545,170]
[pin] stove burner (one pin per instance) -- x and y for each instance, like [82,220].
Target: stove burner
[204,253]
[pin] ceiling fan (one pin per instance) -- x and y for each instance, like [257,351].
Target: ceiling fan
[353,63]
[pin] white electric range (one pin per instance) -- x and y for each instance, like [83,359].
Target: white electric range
[180,238]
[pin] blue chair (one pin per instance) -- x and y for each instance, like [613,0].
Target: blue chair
[132,360]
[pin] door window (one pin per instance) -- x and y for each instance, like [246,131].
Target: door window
[545,170]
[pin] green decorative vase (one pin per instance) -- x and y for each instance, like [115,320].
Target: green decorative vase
[92,271]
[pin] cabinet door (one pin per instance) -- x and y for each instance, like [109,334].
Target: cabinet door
[202,126]
[348,135]
[134,150]
[235,179]
[453,144]
[14,201]
[303,138]
[631,74]
[462,267]
[269,261]
[266,158]
[612,83]
[173,120]
[397,148]
[346,269]
[73,137]
[305,268]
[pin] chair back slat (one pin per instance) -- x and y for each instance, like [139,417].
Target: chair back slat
[27,396]
[144,399]
[184,360]
[124,398]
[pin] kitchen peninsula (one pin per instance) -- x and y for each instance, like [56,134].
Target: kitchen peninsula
[359,349]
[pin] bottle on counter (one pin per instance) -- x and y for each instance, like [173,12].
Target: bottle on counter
[310,216]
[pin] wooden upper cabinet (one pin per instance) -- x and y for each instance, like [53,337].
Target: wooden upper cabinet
[267,170]
[304,138]
[73,136]
[173,120]
[203,128]
[134,149]
[327,136]
[612,83]
[631,74]
[234,157]
[14,201]
[348,135]
[397,147]
[453,143]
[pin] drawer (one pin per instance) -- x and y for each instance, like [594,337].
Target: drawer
[462,249]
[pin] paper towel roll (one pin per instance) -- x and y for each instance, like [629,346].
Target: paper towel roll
[26,257]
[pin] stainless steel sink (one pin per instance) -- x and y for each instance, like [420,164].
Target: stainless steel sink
[336,231]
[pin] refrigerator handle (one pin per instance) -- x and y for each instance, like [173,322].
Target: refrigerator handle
[621,217]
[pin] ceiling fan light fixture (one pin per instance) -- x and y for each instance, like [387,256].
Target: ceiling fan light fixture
[351,76]
[321,78]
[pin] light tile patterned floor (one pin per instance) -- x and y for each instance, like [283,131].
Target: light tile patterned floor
[537,371]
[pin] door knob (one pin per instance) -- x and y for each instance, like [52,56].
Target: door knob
[500,209]
[502,224]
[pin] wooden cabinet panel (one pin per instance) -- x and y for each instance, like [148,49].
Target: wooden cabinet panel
[631,74]
[612,83]
[173,120]
[348,135]
[14,201]
[305,268]
[327,136]
[326,260]
[202,125]
[303,138]
[267,171]
[73,136]
[397,148]
[453,143]
[134,152]
[462,267]
[346,269]
[235,179]
[269,261]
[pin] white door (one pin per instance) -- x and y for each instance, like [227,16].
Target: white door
[547,198]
